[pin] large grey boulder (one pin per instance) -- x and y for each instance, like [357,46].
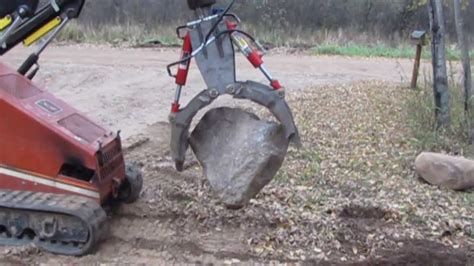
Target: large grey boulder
[450,172]
[240,154]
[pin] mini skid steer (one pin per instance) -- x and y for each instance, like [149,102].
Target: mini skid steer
[59,171]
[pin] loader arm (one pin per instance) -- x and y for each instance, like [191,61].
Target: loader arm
[9,6]
[69,8]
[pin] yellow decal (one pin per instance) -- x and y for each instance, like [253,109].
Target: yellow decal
[242,43]
[5,22]
[42,31]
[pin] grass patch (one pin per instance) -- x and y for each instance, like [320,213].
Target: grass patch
[380,50]
[138,35]
[421,120]
[118,34]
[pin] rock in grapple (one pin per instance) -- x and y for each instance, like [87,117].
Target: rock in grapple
[240,154]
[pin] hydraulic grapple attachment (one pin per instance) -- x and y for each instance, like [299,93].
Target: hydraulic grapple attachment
[256,92]
[211,40]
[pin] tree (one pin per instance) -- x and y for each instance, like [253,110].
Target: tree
[440,73]
[464,46]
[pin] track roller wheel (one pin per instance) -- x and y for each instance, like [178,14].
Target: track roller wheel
[132,186]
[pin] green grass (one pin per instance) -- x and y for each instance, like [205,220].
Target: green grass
[380,50]
[421,120]
[119,34]
[136,35]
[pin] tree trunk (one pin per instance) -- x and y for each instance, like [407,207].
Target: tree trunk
[440,73]
[466,63]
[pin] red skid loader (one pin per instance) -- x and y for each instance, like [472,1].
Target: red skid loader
[58,169]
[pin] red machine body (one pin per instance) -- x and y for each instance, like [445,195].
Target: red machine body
[48,146]
[59,171]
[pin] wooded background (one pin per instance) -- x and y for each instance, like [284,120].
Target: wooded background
[390,20]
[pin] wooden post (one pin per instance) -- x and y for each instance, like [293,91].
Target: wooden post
[419,37]
[416,68]
[440,72]
[466,63]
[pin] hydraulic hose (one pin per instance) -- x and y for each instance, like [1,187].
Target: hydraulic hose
[206,39]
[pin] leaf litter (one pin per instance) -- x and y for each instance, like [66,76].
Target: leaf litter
[349,196]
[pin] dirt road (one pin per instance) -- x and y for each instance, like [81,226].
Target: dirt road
[129,89]
[177,219]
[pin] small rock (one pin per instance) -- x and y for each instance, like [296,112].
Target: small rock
[450,172]
[240,154]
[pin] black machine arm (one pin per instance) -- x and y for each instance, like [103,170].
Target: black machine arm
[196,4]
[8,7]
[71,9]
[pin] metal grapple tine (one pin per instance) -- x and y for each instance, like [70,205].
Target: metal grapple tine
[274,101]
[180,124]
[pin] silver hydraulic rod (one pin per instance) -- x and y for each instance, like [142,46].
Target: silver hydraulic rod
[177,95]
[266,73]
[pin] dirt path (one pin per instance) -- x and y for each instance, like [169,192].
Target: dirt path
[129,89]
[307,214]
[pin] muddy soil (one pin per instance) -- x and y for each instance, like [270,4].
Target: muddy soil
[172,222]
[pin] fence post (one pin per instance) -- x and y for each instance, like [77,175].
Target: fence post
[419,37]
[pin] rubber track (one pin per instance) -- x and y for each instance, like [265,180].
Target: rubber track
[86,210]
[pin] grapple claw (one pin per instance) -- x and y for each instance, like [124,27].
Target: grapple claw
[273,100]
[180,124]
[216,62]
[179,166]
[253,91]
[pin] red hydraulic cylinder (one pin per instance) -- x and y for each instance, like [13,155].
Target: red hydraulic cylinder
[183,70]
[254,57]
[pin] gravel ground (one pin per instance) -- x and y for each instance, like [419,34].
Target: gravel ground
[349,197]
